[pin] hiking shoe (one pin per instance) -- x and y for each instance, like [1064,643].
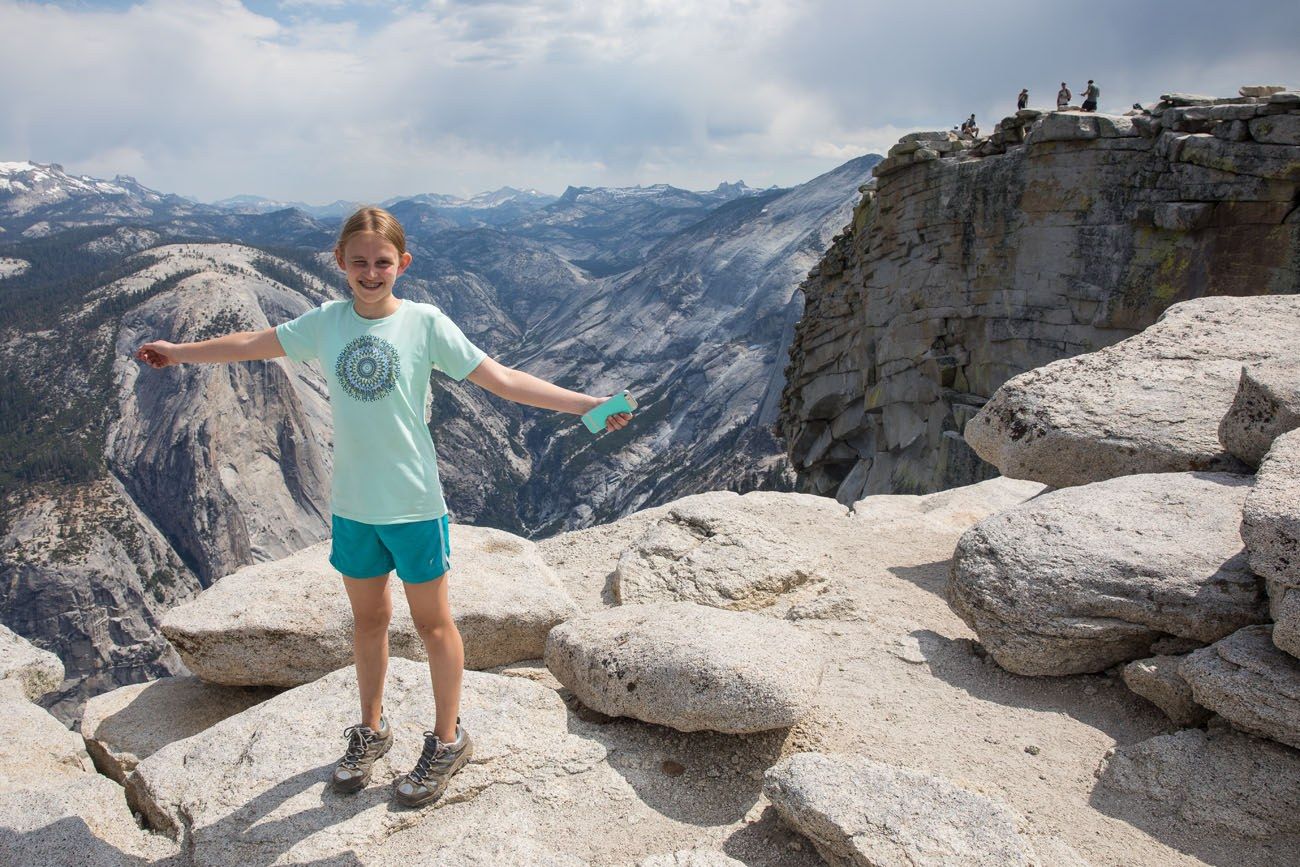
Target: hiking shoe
[437,762]
[364,746]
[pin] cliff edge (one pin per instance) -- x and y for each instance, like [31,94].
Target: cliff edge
[968,262]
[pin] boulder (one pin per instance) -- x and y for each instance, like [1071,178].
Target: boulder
[688,666]
[83,821]
[1079,579]
[746,553]
[1267,405]
[288,621]
[1181,99]
[253,787]
[1221,780]
[1248,681]
[545,786]
[1158,681]
[861,812]
[1073,126]
[131,723]
[38,671]
[1151,403]
[1270,526]
[36,750]
[1260,89]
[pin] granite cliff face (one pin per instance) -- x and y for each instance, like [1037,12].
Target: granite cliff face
[969,262]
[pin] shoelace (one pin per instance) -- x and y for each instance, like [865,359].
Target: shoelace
[358,743]
[427,757]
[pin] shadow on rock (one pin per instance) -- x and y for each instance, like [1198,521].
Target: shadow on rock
[1222,796]
[930,577]
[1093,699]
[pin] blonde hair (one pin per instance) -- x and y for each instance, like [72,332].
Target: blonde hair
[375,220]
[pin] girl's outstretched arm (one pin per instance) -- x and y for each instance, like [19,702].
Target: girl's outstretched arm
[240,346]
[525,388]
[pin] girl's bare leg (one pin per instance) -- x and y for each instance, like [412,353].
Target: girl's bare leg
[372,611]
[432,615]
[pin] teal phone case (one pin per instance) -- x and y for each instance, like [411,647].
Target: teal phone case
[595,419]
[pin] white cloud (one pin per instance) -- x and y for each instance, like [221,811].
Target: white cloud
[318,100]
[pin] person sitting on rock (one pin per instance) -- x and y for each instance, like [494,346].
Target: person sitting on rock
[388,511]
[1063,97]
[1023,100]
[1090,96]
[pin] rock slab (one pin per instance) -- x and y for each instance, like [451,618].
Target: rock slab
[252,789]
[744,553]
[288,622]
[1222,780]
[688,666]
[1148,404]
[131,723]
[860,812]
[1250,682]
[1079,579]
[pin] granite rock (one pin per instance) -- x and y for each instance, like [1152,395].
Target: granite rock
[1267,405]
[1270,527]
[1079,579]
[1158,681]
[1248,681]
[504,599]
[1151,403]
[688,666]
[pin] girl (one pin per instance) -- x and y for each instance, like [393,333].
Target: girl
[388,510]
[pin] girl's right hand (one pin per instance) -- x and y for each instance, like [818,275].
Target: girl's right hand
[157,354]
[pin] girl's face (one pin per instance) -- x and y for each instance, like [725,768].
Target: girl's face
[372,264]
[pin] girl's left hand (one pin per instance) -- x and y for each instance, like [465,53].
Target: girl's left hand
[618,421]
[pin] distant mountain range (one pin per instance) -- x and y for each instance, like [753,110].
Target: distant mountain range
[124,491]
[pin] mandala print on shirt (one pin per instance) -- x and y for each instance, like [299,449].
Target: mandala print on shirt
[368,368]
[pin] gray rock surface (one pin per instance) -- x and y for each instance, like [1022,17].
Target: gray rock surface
[1149,404]
[544,786]
[84,821]
[860,812]
[1266,406]
[37,671]
[742,554]
[288,622]
[688,666]
[1270,527]
[691,858]
[958,273]
[1157,680]
[36,750]
[1222,781]
[1247,680]
[131,723]
[1079,579]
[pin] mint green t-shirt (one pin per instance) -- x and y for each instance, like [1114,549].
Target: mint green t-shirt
[385,465]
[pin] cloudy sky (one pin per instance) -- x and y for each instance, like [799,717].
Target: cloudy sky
[317,100]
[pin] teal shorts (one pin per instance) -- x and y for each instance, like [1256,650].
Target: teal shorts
[419,550]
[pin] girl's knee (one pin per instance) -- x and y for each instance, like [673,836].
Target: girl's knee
[435,631]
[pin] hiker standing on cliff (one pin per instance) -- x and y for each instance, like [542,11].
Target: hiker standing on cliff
[1063,97]
[377,352]
[1023,99]
[1090,96]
